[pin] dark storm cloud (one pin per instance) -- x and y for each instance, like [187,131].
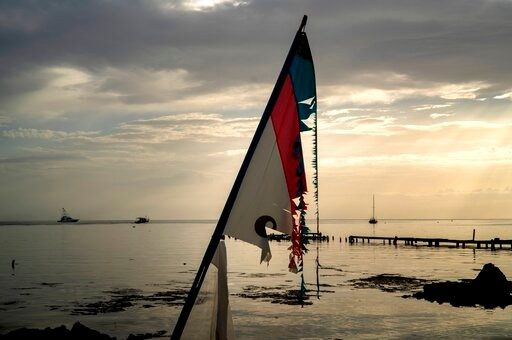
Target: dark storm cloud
[439,41]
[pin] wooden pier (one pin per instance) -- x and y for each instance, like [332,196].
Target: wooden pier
[493,244]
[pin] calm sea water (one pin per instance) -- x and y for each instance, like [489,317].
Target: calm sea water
[62,266]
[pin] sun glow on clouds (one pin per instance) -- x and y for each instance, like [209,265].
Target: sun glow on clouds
[432,107]
[199,127]
[66,77]
[131,90]
[478,157]
[507,95]
[44,134]
[343,95]
[440,115]
[169,109]
[201,5]
[229,153]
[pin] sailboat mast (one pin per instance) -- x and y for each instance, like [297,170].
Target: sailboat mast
[373,209]
[221,224]
[315,157]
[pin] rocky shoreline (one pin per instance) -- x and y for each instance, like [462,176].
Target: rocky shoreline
[77,332]
[490,289]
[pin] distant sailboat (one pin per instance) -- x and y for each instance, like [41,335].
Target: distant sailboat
[373,220]
[66,218]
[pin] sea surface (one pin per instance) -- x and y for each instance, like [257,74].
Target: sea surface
[120,279]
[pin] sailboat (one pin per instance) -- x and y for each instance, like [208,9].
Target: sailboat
[66,218]
[373,220]
[268,192]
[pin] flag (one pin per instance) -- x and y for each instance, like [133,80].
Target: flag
[270,186]
[271,191]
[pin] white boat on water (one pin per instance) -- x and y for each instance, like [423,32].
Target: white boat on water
[66,218]
[140,220]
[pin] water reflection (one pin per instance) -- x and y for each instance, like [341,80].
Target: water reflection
[87,263]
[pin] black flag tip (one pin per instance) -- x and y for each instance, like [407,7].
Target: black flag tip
[303,23]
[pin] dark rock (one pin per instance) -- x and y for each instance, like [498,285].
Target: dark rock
[491,278]
[489,289]
[78,332]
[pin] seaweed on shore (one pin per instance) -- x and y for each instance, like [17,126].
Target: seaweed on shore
[51,284]
[283,295]
[390,283]
[260,275]
[143,336]
[121,299]
[175,297]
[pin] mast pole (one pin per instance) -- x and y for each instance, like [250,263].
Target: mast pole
[316,170]
[373,210]
[221,224]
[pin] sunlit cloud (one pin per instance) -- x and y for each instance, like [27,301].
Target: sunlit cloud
[192,126]
[43,134]
[141,102]
[478,157]
[459,91]
[507,95]
[229,153]
[360,125]
[202,5]
[440,115]
[331,113]
[432,107]
[464,124]
[343,95]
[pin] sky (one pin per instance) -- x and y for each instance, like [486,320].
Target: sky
[116,109]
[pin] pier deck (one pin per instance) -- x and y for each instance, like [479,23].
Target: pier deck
[493,244]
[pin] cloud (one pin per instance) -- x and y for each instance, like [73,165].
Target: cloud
[454,41]
[205,5]
[229,153]
[359,125]
[198,127]
[479,156]
[41,159]
[141,86]
[440,115]
[350,95]
[432,107]
[504,95]
[44,134]
[153,92]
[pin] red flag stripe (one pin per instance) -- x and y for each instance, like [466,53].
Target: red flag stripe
[285,120]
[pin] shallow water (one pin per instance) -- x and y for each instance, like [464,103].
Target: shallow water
[61,267]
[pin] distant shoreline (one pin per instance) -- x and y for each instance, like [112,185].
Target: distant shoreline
[210,221]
